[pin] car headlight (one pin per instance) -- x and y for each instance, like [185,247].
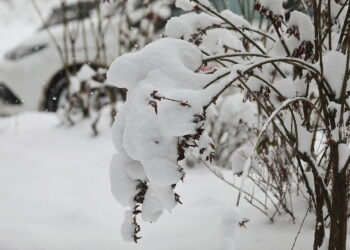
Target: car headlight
[23,51]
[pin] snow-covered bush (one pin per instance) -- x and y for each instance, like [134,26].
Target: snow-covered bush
[294,78]
[230,125]
[87,95]
[141,22]
[138,23]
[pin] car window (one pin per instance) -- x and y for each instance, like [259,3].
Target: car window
[72,12]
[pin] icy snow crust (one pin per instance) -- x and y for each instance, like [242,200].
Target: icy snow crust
[146,130]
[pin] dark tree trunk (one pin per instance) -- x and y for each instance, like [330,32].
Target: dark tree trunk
[338,213]
[319,203]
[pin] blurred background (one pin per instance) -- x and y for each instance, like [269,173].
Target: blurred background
[18,19]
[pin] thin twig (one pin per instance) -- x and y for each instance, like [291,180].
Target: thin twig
[301,225]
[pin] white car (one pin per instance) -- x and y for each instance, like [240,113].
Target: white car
[32,75]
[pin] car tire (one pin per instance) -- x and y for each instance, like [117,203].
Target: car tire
[55,93]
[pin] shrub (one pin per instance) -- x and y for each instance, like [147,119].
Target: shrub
[295,73]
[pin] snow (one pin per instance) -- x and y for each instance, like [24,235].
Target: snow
[230,222]
[162,172]
[190,57]
[344,154]
[189,23]
[128,228]
[300,87]
[239,158]
[291,42]
[304,139]
[152,207]
[188,5]
[85,73]
[334,63]
[235,19]
[228,40]
[276,6]
[54,188]
[254,84]
[159,109]
[55,195]
[304,24]
[122,185]
[286,88]
[185,5]
[233,110]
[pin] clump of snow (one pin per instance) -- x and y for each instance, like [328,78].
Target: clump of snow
[304,25]
[304,139]
[185,55]
[188,24]
[254,84]
[335,108]
[85,73]
[122,183]
[185,5]
[191,23]
[275,6]
[334,63]
[229,40]
[152,208]
[235,19]
[300,87]
[165,102]
[239,158]
[291,42]
[128,228]
[286,87]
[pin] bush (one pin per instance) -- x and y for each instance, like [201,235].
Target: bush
[294,73]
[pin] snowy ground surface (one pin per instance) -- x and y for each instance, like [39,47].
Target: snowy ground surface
[54,194]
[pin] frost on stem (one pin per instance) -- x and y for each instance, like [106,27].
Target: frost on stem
[162,117]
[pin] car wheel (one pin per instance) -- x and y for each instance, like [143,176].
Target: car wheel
[55,93]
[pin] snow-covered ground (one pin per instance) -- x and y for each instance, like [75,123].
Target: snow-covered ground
[55,194]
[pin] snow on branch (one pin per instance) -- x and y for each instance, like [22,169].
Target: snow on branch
[162,117]
[284,72]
